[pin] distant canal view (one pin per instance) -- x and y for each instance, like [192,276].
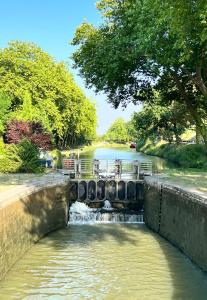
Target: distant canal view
[124,152]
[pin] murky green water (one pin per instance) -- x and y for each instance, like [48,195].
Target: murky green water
[111,261]
[121,152]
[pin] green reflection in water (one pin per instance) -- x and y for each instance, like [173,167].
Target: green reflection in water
[113,261]
[159,164]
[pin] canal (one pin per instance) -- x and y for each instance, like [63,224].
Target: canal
[105,261]
[124,152]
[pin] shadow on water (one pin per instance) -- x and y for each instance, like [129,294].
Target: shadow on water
[181,270]
[47,214]
[44,215]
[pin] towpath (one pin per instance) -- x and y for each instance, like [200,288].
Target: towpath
[193,182]
[13,186]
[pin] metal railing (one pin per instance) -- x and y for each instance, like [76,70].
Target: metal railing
[101,168]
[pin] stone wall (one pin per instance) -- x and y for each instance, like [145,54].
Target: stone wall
[180,217]
[24,220]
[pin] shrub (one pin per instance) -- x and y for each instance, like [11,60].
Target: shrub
[33,131]
[140,144]
[57,158]
[29,156]
[193,156]
[9,159]
[185,155]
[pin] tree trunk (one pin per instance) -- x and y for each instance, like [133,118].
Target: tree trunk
[198,136]
[177,137]
[199,81]
[192,110]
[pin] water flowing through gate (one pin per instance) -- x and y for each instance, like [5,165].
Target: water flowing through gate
[106,201]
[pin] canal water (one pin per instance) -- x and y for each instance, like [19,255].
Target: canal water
[105,261]
[124,152]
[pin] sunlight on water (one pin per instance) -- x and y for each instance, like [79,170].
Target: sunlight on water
[113,261]
[159,164]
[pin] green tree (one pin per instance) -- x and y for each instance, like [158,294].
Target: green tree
[131,129]
[44,91]
[5,103]
[161,123]
[117,132]
[141,46]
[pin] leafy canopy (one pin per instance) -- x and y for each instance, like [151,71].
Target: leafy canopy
[145,47]
[44,91]
[117,132]
[5,103]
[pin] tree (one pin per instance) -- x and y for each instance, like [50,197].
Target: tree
[117,132]
[44,91]
[5,103]
[142,45]
[18,131]
[132,130]
[21,157]
[161,123]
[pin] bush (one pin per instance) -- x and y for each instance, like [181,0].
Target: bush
[194,156]
[17,131]
[29,156]
[23,157]
[184,155]
[9,159]
[57,158]
[140,144]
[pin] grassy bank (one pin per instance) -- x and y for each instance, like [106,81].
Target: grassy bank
[184,155]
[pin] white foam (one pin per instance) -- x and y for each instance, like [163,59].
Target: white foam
[80,213]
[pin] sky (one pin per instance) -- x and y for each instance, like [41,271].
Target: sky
[51,25]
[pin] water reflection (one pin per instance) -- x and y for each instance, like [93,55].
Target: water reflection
[159,164]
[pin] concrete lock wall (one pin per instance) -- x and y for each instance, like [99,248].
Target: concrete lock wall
[23,221]
[180,217]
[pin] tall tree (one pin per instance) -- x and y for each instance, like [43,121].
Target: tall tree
[117,132]
[141,45]
[5,103]
[161,123]
[43,90]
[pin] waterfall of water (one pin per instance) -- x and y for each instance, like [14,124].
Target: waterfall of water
[107,205]
[80,213]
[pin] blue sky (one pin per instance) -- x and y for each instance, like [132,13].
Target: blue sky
[51,24]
